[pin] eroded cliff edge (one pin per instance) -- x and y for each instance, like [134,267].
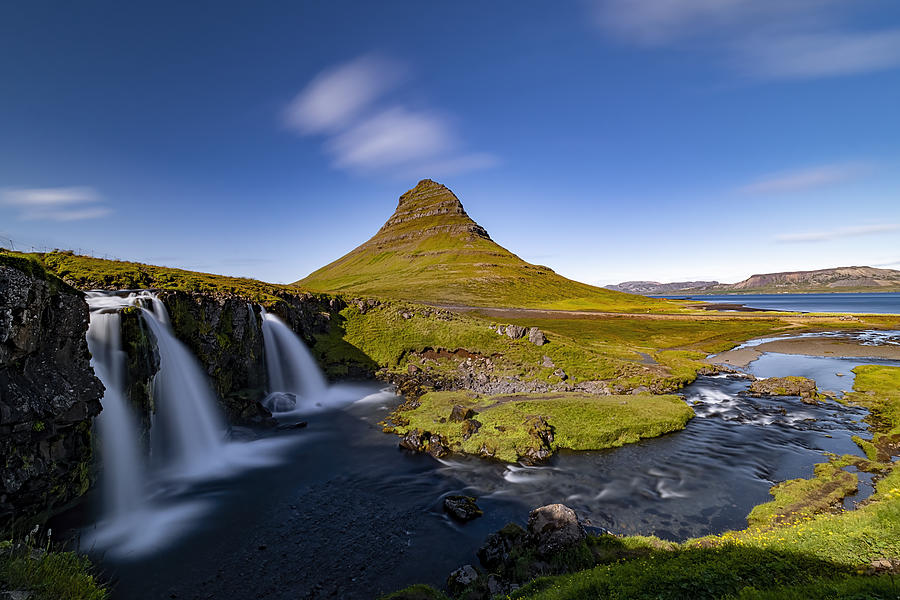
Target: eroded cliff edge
[49,394]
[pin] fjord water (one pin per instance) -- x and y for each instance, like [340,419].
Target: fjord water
[876,302]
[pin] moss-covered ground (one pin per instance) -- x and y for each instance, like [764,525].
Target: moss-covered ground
[47,575]
[578,421]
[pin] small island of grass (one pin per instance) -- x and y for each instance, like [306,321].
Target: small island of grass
[533,426]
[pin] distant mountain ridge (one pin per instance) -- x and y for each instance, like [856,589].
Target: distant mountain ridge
[430,250]
[839,279]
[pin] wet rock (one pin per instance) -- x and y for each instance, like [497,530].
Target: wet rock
[413,440]
[536,336]
[470,427]
[495,586]
[412,369]
[497,547]
[553,528]
[462,508]
[461,413]
[462,578]
[49,394]
[784,386]
[515,332]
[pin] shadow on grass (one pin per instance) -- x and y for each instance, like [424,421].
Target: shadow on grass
[621,568]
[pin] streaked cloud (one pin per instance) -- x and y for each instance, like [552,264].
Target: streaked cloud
[763,39]
[805,179]
[337,95]
[824,236]
[56,204]
[394,136]
[364,130]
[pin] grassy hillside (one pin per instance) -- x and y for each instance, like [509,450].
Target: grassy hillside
[86,273]
[431,251]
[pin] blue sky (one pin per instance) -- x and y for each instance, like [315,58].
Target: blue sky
[607,139]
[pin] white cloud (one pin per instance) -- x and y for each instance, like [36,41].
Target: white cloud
[824,236]
[335,96]
[392,137]
[56,204]
[345,104]
[804,179]
[768,39]
[820,54]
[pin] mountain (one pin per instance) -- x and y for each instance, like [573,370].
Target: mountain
[655,287]
[430,250]
[839,279]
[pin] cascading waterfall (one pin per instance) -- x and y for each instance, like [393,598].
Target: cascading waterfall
[142,509]
[123,477]
[188,432]
[296,383]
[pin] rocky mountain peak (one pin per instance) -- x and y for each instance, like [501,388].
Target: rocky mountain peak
[430,206]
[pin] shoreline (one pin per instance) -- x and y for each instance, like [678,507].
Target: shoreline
[810,346]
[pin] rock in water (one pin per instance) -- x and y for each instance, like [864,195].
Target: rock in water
[785,386]
[462,508]
[554,527]
[49,394]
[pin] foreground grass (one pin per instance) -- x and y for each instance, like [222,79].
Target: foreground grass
[578,421]
[48,575]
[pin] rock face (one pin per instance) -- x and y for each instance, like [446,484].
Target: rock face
[48,392]
[785,386]
[225,333]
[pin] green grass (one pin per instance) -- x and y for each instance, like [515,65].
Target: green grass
[48,575]
[579,421]
[85,272]
[799,498]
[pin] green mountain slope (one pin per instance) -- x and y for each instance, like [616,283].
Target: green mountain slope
[431,251]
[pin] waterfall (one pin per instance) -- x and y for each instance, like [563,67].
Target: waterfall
[296,384]
[188,432]
[123,476]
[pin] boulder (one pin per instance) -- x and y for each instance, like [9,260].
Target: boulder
[462,508]
[470,427]
[547,362]
[536,336]
[515,332]
[460,413]
[460,579]
[553,528]
[497,547]
[561,374]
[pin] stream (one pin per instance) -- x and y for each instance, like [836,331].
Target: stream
[337,509]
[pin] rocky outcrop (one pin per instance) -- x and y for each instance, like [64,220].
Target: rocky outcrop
[225,333]
[785,386]
[48,392]
[555,542]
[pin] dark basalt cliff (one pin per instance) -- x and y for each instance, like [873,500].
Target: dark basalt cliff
[48,392]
